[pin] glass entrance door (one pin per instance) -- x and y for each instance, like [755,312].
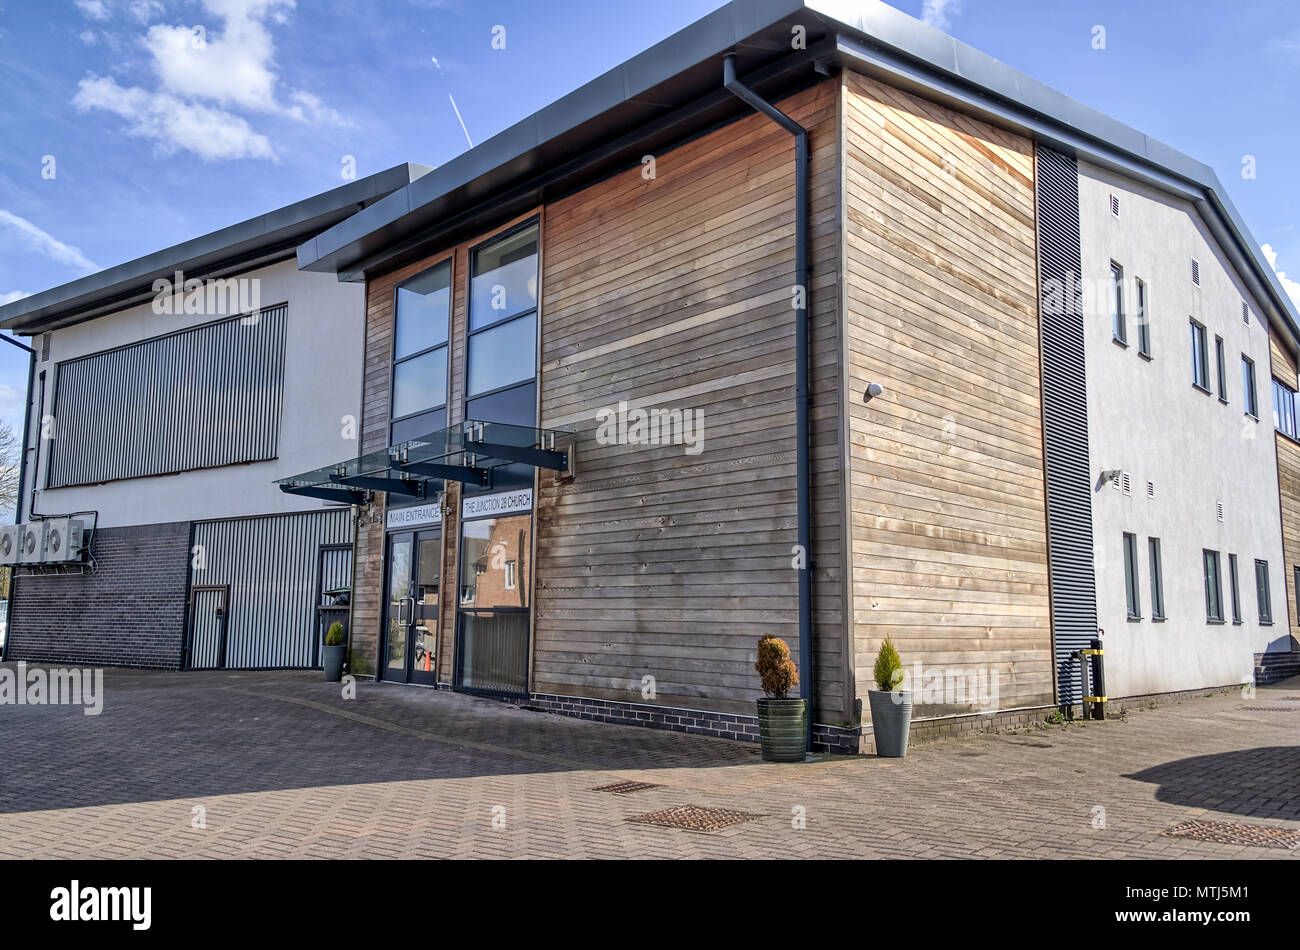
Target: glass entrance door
[411,610]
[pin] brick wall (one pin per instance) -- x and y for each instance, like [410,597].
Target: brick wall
[130,612]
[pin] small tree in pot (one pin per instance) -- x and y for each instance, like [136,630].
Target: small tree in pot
[332,653]
[891,706]
[782,722]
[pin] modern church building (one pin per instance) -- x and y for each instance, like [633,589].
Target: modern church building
[809,320]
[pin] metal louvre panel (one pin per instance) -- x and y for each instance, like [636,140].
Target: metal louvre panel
[271,564]
[335,569]
[1065,419]
[199,398]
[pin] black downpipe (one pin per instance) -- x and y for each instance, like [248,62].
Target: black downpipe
[803,480]
[22,469]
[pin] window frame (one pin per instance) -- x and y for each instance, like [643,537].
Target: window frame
[1211,558]
[1142,318]
[1132,579]
[1221,361]
[1235,587]
[394,361]
[1284,409]
[1250,386]
[471,331]
[1200,356]
[1156,567]
[1263,593]
[1115,291]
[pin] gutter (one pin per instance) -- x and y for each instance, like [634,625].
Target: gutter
[22,471]
[803,490]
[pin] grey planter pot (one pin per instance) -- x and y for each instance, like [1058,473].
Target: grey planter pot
[891,720]
[332,660]
[782,729]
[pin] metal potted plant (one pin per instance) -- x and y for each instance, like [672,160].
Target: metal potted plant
[332,653]
[782,722]
[891,706]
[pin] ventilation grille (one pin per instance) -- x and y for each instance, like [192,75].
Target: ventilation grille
[1128,483]
[1065,419]
[1245,312]
[1196,272]
[1114,205]
[1151,490]
[1218,508]
[45,346]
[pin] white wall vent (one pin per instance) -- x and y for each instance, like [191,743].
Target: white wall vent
[1151,490]
[1114,205]
[1128,484]
[1219,510]
[1245,312]
[1196,272]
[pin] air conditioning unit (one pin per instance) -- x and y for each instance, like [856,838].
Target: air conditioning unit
[64,540]
[11,537]
[31,547]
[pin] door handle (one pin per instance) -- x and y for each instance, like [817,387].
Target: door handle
[405,608]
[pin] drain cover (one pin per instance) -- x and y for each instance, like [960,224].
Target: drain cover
[1272,708]
[694,818]
[626,788]
[1228,832]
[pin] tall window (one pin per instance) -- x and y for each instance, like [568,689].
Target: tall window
[1248,385]
[1222,363]
[421,319]
[1133,598]
[1213,588]
[1284,409]
[1143,320]
[1157,580]
[1236,588]
[1200,358]
[1263,595]
[1116,292]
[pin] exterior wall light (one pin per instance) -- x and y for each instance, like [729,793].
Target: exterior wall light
[873,390]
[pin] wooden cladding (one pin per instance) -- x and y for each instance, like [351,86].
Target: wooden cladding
[947,482]
[1284,367]
[1288,473]
[197,398]
[675,293]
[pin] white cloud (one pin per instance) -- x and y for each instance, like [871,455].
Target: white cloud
[939,13]
[11,296]
[145,10]
[209,78]
[44,243]
[94,9]
[1292,287]
[88,37]
[173,124]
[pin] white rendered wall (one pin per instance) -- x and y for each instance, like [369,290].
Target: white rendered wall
[1146,418]
[324,341]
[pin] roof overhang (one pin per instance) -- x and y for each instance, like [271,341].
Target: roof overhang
[240,247]
[672,92]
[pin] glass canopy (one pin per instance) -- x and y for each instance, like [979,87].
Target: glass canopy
[469,453]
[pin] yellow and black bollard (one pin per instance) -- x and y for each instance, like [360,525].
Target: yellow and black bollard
[1095,705]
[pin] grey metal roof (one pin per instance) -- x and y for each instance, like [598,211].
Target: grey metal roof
[672,91]
[226,251]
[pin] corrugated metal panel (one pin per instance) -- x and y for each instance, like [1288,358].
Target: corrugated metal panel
[198,398]
[272,565]
[1065,418]
[335,570]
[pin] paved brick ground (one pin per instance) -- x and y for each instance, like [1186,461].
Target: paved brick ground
[282,766]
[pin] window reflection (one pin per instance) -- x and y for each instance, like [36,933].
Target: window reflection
[494,562]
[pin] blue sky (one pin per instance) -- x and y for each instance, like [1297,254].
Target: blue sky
[156,138]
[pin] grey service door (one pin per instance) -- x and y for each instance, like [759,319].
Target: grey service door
[208,613]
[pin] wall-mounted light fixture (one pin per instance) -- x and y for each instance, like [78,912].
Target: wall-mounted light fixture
[1110,475]
[873,390]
